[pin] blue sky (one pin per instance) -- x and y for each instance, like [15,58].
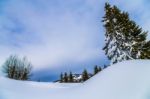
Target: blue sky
[58,35]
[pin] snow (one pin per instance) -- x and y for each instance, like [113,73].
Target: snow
[124,80]
[77,77]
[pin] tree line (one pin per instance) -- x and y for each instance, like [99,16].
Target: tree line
[65,77]
[21,69]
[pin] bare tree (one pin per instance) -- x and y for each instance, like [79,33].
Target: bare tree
[16,68]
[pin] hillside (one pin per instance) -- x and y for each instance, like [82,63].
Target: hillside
[126,80]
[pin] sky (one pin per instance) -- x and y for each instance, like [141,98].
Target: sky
[60,35]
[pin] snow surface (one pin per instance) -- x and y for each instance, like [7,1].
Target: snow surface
[125,80]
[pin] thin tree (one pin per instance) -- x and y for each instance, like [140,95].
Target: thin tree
[99,69]
[96,70]
[61,77]
[65,77]
[70,77]
[85,75]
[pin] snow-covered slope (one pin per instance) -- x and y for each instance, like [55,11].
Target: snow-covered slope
[126,80]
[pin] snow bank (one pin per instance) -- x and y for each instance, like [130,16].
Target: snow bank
[126,80]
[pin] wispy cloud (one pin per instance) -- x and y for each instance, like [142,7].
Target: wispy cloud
[51,32]
[54,33]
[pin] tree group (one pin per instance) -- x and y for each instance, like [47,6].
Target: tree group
[97,69]
[16,68]
[64,78]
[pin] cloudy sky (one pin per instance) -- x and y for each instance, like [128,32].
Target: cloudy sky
[60,35]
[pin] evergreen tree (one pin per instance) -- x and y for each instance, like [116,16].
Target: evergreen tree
[70,77]
[99,69]
[124,39]
[61,77]
[65,77]
[96,70]
[105,66]
[85,75]
[146,51]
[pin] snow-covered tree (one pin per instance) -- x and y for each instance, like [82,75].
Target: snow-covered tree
[145,54]
[124,39]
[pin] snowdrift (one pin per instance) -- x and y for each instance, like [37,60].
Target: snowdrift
[126,80]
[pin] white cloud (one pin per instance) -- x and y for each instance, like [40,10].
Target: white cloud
[51,35]
[52,32]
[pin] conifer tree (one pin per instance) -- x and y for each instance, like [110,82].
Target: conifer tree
[61,77]
[99,69]
[70,77]
[145,54]
[124,38]
[85,75]
[96,70]
[105,66]
[65,77]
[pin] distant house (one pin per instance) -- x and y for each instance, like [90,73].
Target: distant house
[78,77]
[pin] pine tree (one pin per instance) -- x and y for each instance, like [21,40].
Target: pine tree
[124,39]
[85,75]
[96,70]
[61,77]
[99,69]
[105,66]
[70,77]
[145,54]
[65,77]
